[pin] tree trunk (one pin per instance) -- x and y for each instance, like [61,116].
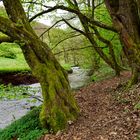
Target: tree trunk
[59,105]
[115,65]
[111,62]
[126,19]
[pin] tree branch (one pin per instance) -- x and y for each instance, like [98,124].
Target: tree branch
[80,31]
[72,49]
[75,2]
[50,10]
[37,3]
[61,20]
[64,40]
[77,12]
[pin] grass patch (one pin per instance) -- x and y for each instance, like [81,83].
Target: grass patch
[12,59]
[67,67]
[26,128]
[11,92]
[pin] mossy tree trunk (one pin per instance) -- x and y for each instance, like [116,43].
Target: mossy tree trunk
[126,19]
[59,105]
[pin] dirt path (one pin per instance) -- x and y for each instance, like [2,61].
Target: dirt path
[102,117]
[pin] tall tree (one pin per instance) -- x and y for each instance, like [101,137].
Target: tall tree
[85,13]
[126,18]
[59,105]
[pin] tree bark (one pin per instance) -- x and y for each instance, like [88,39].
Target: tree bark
[126,19]
[59,105]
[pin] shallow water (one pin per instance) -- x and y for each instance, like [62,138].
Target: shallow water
[11,110]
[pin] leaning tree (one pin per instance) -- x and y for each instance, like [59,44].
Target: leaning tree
[59,105]
[126,18]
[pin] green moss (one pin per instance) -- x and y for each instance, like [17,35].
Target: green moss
[67,67]
[42,116]
[58,119]
[55,113]
[75,110]
[52,116]
[55,116]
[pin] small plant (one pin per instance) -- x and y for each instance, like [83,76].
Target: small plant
[26,128]
[103,72]
[17,92]
[67,67]
[137,106]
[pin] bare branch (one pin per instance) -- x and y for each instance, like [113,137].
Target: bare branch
[61,20]
[75,2]
[80,31]
[73,49]
[99,4]
[50,27]
[77,12]
[65,40]
[101,38]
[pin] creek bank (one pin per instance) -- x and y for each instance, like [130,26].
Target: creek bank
[11,110]
[20,78]
[25,78]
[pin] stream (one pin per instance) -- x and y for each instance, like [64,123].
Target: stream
[11,110]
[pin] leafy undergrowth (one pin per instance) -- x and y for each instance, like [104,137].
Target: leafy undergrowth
[26,128]
[10,92]
[104,72]
[130,102]
[67,67]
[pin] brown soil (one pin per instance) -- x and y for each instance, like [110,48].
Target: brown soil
[107,113]
[17,78]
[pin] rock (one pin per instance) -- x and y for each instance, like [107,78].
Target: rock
[70,71]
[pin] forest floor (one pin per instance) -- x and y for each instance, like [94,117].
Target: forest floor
[107,112]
